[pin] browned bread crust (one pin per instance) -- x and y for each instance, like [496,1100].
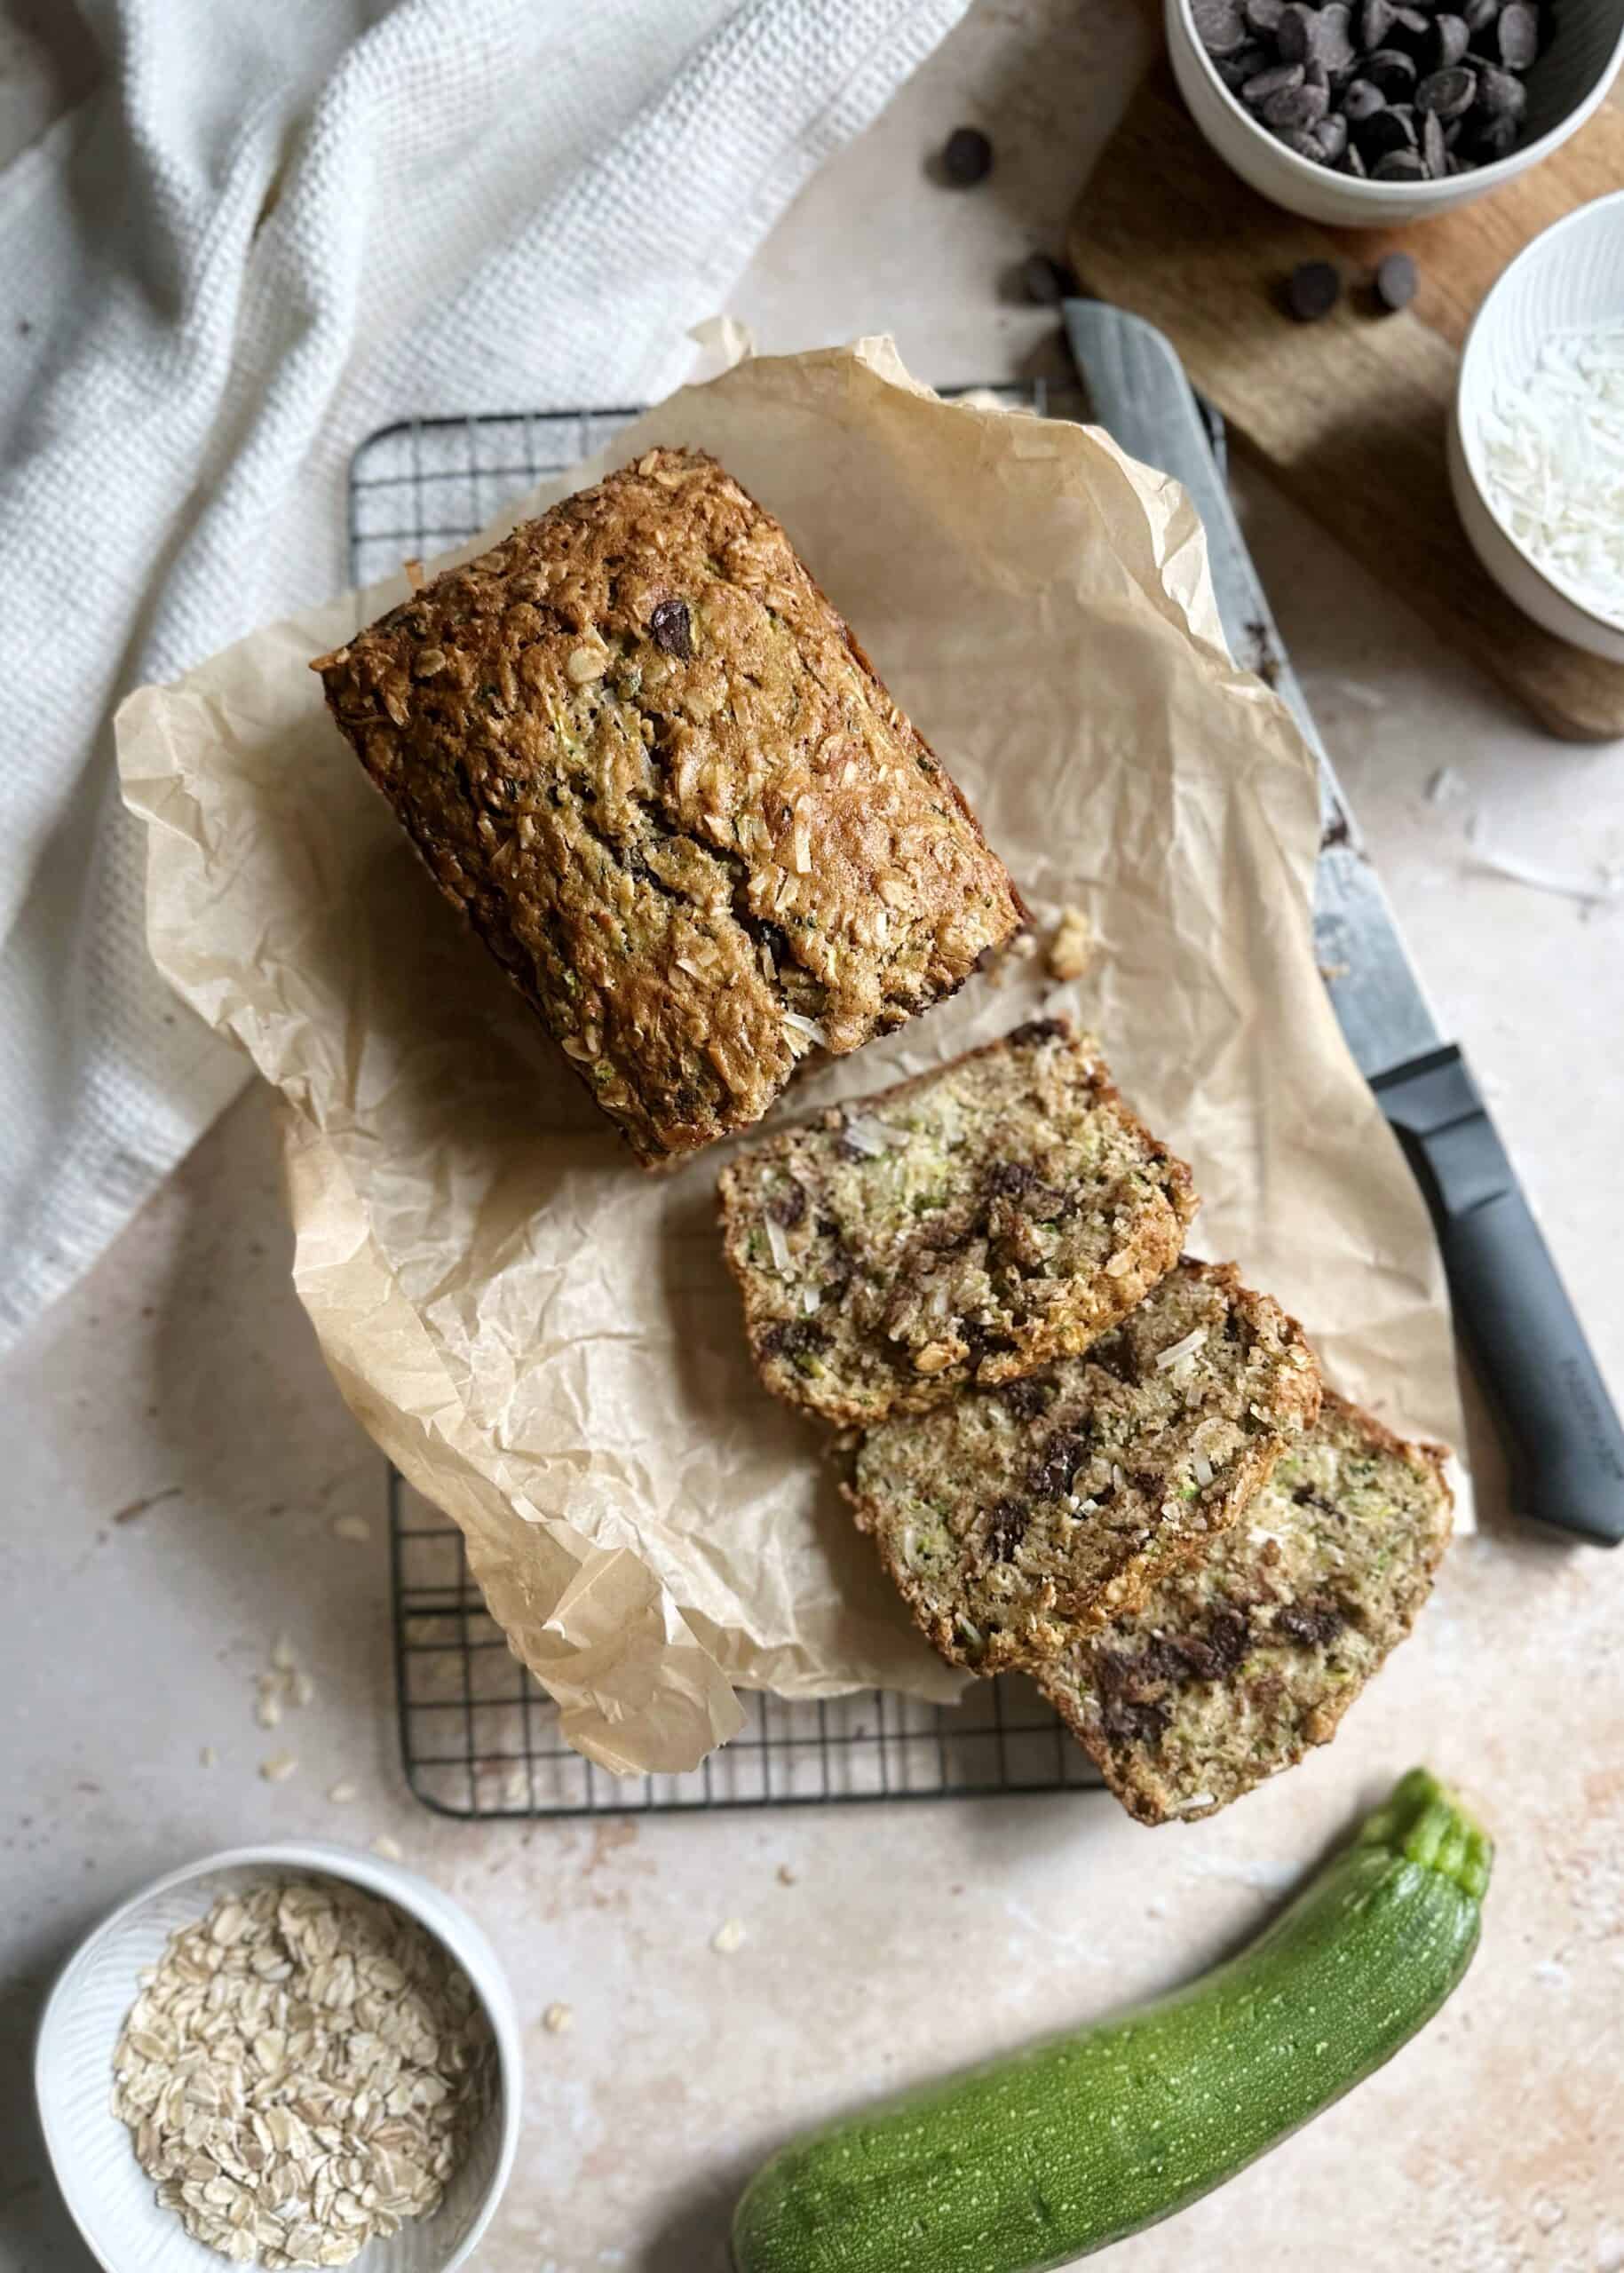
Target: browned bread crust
[639,749]
[967,1226]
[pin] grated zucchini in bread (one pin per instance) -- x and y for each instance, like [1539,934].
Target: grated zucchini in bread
[1018,1518]
[1236,1665]
[967,1225]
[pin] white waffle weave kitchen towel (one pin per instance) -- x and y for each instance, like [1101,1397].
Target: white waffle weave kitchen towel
[276,225]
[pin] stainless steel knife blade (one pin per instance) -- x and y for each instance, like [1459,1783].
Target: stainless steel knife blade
[1565,1437]
[1140,394]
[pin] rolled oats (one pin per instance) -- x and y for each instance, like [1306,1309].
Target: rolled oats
[301,2069]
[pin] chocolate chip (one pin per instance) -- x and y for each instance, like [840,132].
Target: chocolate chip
[1312,291]
[1006,1528]
[1277,81]
[1312,1623]
[1375,22]
[1114,1356]
[1333,45]
[795,1337]
[967,155]
[1296,107]
[1046,281]
[1479,14]
[1433,149]
[1008,1179]
[1219,26]
[1037,1030]
[1400,165]
[671,631]
[1496,138]
[1295,33]
[1245,64]
[1050,1474]
[1332,136]
[1448,94]
[1361,100]
[1499,94]
[1393,129]
[788,1207]
[1395,281]
[1517,35]
[1299,139]
[1027,1398]
[1351,163]
[1450,39]
[1392,70]
[1263,16]
[1412,21]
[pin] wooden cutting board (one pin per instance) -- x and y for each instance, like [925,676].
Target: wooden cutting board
[1350,414]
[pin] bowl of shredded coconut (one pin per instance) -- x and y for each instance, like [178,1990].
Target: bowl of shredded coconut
[1536,446]
[282,2057]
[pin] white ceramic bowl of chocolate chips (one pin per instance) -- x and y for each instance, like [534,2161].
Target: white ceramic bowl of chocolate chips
[1369,114]
[281,2055]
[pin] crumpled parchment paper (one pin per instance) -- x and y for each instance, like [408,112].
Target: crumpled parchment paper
[543,1337]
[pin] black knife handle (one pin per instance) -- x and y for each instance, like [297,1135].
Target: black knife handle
[1566,1441]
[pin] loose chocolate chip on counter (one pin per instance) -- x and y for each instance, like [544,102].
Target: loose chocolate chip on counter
[1332,136]
[1450,39]
[1517,34]
[1312,291]
[1433,147]
[1219,26]
[1047,281]
[1392,70]
[671,631]
[967,156]
[1500,95]
[1360,100]
[1298,106]
[1448,94]
[1279,80]
[1395,281]
[1400,165]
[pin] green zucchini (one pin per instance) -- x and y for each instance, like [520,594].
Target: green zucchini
[1037,2159]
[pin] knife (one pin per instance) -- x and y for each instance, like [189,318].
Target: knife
[1563,1432]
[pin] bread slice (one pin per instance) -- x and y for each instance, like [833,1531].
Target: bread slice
[967,1225]
[1235,1665]
[1016,1519]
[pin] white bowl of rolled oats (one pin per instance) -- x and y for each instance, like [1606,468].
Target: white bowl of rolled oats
[282,2055]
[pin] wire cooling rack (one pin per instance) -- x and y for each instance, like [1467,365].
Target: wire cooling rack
[480,1736]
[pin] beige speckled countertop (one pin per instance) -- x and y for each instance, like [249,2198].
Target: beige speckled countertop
[177,1460]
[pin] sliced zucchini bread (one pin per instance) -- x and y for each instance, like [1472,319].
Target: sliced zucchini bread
[967,1225]
[1236,1664]
[1018,1518]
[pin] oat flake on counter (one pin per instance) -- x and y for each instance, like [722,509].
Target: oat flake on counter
[303,2070]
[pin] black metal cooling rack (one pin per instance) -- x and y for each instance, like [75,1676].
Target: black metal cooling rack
[479,1736]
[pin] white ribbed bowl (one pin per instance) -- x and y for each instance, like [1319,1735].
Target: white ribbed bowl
[1571,274]
[1564,86]
[109,2193]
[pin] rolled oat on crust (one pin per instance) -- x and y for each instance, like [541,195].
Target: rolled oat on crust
[639,748]
[1235,1665]
[970,1225]
[1014,1520]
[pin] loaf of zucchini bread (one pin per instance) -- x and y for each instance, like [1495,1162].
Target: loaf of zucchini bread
[965,1226]
[642,752]
[1235,1664]
[1016,1519]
